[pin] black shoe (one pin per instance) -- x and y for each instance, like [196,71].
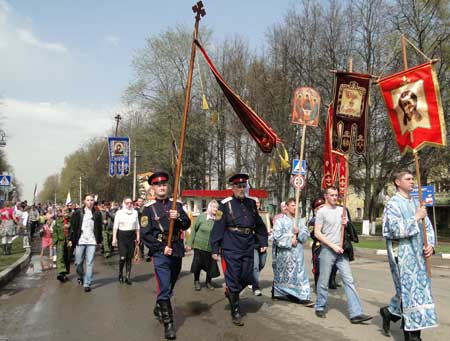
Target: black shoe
[61,277]
[306,303]
[120,278]
[360,318]
[80,280]
[197,286]
[87,289]
[321,313]
[385,315]
[128,280]
[412,335]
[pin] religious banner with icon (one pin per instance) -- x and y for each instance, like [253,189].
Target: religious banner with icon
[413,100]
[306,107]
[350,105]
[119,156]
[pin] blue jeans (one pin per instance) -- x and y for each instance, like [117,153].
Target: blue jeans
[327,259]
[259,262]
[83,252]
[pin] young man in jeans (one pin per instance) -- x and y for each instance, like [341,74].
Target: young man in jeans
[85,235]
[327,230]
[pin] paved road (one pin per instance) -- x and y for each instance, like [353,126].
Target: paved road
[37,307]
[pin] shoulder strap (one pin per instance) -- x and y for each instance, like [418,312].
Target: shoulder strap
[157,219]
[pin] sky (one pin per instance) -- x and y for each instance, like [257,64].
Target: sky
[65,64]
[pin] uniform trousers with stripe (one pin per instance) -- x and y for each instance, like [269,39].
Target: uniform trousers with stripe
[167,270]
[237,269]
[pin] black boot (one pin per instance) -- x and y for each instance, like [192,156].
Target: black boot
[197,286]
[387,318]
[235,309]
[157,312]
[121,265]
[167,316]
[412,335]
[128,272]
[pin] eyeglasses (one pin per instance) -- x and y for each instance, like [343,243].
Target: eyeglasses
[128,202]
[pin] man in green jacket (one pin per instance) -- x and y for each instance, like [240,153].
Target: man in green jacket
[60,240]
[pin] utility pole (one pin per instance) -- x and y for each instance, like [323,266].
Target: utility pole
[80,192]
[134,175]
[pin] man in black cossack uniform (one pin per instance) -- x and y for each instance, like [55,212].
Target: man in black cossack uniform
[236,231]
[154,234]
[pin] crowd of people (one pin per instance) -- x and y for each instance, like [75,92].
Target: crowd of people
[233,232]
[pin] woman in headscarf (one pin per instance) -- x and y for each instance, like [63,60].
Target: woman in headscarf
[7,227]
[199,241]
[126,235]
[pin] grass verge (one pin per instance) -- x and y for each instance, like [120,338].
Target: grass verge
[17,252]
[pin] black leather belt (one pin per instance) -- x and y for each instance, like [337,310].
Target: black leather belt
[244,230]
[164,237]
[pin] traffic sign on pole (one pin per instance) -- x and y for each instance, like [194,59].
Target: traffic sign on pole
[5,180]
[298,181]
[296,167]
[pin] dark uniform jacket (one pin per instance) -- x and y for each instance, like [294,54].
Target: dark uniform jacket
[76,220]
[244,215]
[155,227]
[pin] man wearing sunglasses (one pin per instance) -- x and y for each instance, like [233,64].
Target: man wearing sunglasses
[154,234]
[236,231]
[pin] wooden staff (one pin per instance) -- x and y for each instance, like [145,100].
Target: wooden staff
[200,12]
[419,182]
[344,199]
[297,188]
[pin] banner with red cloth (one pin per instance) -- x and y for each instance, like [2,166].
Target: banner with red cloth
[350,105]
[414,104]
[261,132]
[329,161]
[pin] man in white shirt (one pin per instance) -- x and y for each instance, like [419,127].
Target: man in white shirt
[85,234]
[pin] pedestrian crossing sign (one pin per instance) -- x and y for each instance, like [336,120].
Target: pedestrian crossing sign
[5,180]
[296,167]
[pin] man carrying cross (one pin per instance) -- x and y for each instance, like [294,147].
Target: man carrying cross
[413,301]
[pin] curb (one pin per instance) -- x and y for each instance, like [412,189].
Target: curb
[11,271]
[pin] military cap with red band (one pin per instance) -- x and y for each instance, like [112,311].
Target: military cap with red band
[158,178]
[238,178]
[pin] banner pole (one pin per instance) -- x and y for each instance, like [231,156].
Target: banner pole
[200,12]
[297,189]
[416,159]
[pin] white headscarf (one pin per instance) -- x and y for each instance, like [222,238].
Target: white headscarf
[125,209]
[209,214]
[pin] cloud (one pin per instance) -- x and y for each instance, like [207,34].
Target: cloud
[42,134]
[27,37]
[112,40]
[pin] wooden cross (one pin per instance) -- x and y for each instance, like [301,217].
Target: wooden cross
[199,10]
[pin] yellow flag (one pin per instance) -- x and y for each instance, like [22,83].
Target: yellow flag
[204,103]
[273,166]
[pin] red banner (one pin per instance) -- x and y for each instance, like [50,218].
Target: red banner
[350,104]
[261,132]
[415,110]
[329,161]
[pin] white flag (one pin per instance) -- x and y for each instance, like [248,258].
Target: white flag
[69,199]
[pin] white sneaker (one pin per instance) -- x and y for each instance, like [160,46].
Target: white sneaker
[257,292]
[249,286]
